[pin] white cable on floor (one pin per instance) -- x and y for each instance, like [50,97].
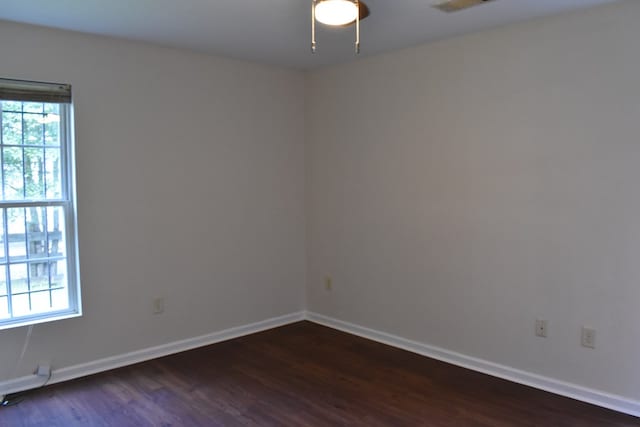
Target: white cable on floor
[24,351]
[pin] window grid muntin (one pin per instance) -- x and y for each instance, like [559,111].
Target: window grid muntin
[67,213]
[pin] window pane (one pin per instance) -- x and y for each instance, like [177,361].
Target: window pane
[17,243]
[33,129]
[60,299]
[11,128]
[58,274]
[34,173]
[39,275]
[56,231]
[60,292]
[51,108]
[36,232]
[19,278]
[36,235]
[15,106]
[32,107]
[53,177]
[30,172]
[2,254]
[3,281]
[40,302]
[4,308]
[13,173]
[20,304]
[52,129]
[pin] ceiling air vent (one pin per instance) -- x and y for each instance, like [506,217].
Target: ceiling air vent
[450,6]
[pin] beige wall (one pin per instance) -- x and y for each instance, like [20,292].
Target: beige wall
[458,190]
[190,186]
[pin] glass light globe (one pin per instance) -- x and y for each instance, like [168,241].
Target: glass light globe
[336,12]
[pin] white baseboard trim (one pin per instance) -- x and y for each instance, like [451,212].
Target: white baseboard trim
[595,397]
[64,374]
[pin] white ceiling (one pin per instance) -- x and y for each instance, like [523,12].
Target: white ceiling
[274,31]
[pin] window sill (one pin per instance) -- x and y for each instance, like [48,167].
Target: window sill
[49,317]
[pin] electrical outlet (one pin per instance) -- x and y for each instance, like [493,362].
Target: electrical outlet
[43,370]
[158,305]
[588,337]
[542,328]
[328,283]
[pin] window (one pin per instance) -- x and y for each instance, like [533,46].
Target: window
[38,263]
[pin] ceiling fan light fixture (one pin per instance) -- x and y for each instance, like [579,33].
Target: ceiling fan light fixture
[336,12]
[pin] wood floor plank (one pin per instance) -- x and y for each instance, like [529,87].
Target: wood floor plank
[300,375]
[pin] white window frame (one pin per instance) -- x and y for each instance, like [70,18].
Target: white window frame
[68,204]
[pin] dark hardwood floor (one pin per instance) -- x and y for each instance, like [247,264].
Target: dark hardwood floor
[299,375]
